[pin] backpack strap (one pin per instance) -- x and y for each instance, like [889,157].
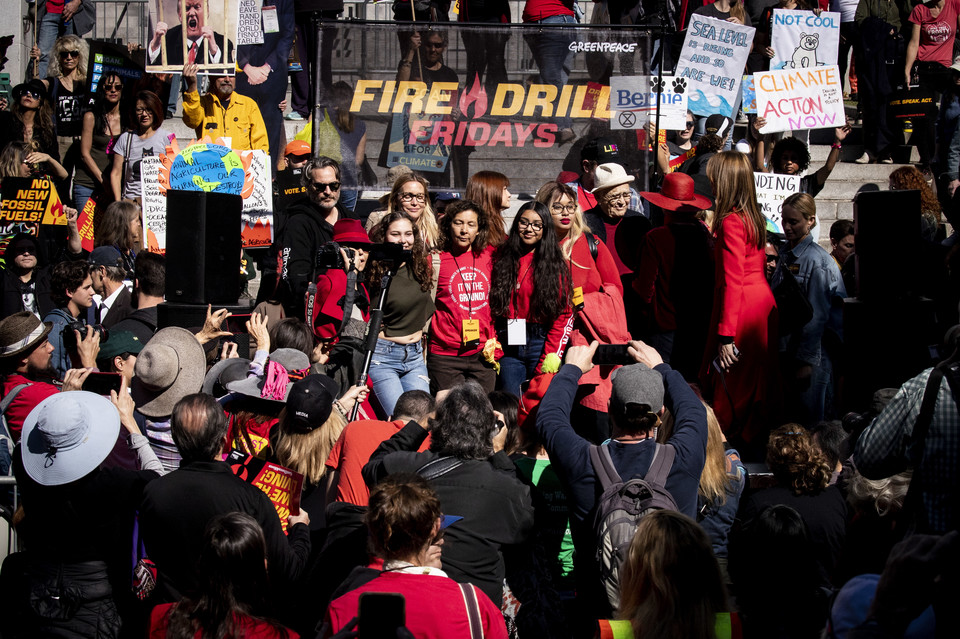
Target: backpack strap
[660,465]
[4,405]
[439,467]
[473,610]
[435,264]
[594,245]
[603,466]
[929,404]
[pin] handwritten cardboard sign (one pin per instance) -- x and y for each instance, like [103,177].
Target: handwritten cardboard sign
[634,100]
[802,39]
[31,201]
[772,190]
[711,64]
[282,486]
[249,28]
[154,204]
[796,99]
[257,214]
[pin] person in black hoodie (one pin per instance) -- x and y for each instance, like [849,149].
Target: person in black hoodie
[26,284]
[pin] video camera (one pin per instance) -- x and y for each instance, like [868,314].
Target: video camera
[330,257]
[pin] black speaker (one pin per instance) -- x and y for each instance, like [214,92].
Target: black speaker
[203,247]
[888,247]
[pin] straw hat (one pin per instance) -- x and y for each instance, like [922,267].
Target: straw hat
[170,367]
[20,332]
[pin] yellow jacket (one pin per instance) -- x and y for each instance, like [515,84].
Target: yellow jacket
[241,120]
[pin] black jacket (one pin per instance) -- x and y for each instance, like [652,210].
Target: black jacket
[177,508]
[495,505]
[122,307]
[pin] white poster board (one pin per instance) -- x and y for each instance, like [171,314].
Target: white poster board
[154,205]
[633,102]
[772,190]
[797,99]
[711,64]
[257,213]
[249,26]
[801,39]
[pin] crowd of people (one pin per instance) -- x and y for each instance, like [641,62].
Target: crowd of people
[619,413]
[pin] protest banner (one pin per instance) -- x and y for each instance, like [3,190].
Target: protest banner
[634,100]
[31,200]
[249,27]
[802,39]
[796,99]
[912,103]
[85,220]
[257,215]
[154,204]
[711,65]
[281,485]
[749,104]
[772,190]
[177,36]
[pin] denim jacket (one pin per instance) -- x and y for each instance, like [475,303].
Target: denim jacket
[819,277]
[60,358]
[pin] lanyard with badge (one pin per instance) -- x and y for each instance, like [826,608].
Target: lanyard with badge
[517,326]
[470,327]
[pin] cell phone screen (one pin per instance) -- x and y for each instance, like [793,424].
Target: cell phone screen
[381,613]
[102,383]
[612,355]
[238,323]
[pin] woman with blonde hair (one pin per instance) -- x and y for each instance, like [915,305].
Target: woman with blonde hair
[121,229]
[411,194]
[670,585]
[66,82]
[489,190]
[739,370]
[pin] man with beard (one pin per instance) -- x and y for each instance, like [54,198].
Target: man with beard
[201,40]
[222,113]
[25,361]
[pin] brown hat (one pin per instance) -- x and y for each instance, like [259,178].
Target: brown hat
[170,367]
[21,332]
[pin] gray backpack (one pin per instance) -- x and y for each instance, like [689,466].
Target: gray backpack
[621,506]
[6,438]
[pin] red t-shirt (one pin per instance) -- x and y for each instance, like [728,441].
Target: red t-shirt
[352,451]
[936,34]
[250,628]
[55,6]
[535,10]
[259,434]
[463,292]
[559,332]
[25,401]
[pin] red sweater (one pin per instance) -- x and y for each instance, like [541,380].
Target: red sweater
[559,332]
[463,292]
[592,276]
[25,401]
[251,628]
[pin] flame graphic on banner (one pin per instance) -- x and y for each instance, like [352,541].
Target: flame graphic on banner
[173,150]
[477,96]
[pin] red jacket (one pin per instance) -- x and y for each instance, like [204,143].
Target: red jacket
[463,292]
[25,401]
[590,275]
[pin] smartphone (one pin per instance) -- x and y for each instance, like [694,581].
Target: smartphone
[381,614]
[612,355]
[102,383]
[238,323]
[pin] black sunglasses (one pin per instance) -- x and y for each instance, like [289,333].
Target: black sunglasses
[320,187]
[69,54]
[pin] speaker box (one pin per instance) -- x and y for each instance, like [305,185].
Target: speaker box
[203,247]
[888,247]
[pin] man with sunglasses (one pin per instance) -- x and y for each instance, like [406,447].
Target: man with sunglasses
[26,285]
[308,226]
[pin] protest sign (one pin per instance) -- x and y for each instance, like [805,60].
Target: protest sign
[796,99]
[32,201]
[257,214]
[281,485]
[85,221]
[177,36]
[633,102]
[711,64]
[749,103]
[154,203]
[802,39]
[249,29]
[772,190]
[912,103]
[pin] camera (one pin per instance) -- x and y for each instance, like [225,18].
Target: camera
[70,339]
[329,257]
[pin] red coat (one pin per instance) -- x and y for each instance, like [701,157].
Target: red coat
[743,308]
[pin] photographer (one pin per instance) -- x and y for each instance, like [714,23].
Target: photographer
[341,307]
[71,288]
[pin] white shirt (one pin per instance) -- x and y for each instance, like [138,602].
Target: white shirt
[106,304]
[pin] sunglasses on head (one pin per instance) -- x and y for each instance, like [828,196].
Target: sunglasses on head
[69,54]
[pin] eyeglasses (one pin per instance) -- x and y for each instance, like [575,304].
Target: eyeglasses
[69,54]
[112,87]
[560,208]
[689,124]
[771,258]
[621,197]
[142,111]
[523,224]
[320,187]
[410,197]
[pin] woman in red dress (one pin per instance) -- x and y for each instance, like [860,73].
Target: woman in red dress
[740,363]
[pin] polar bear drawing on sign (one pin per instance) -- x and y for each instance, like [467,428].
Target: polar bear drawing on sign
[805,55]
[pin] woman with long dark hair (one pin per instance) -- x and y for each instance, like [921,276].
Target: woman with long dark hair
[489,190]
[740,363]
[147,139]
[462,335]
[530,296]
[30,120]
[101,126]
[398,364]
[232,571]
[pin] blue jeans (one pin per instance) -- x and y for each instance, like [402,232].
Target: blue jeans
[396,369]
[348,197]
[81,194]
[47,33]
[551,51]
[519,363]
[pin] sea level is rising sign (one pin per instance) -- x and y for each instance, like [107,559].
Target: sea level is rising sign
[711,64]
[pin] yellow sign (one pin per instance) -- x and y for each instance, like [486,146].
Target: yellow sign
[31,200]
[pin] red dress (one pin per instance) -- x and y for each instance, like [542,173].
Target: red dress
[743,308]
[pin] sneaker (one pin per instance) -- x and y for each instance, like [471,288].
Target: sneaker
[293,116]
[887,160]
[866,158]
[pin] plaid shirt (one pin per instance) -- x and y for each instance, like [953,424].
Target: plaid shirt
[887,447]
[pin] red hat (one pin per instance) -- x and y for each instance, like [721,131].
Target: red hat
[677,194]
[350,232]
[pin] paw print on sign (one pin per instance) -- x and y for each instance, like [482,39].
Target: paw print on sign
[656,85]
[679,85]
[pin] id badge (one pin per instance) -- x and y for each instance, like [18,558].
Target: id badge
[470,332]
[517,332]
[271,24]
[577,298]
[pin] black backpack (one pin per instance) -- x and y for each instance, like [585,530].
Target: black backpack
[622,505]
